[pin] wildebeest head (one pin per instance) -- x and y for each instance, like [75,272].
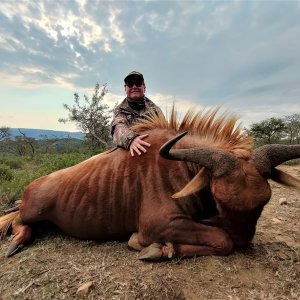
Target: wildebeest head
[238,184]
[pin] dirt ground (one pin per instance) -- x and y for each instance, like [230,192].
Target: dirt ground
[54,266]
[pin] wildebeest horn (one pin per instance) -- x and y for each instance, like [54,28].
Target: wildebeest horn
[218,161]
[200,181]
[165,148]
[267,157]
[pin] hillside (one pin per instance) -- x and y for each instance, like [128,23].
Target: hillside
[41,133]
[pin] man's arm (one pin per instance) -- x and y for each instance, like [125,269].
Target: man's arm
[126,138]
[120,131]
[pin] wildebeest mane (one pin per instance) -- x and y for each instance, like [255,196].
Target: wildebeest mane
[215,130]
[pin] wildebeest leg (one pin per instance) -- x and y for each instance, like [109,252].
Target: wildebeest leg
[133,242]
[153,252]
[190,238]
[157,251]
[196,250]
[21,235]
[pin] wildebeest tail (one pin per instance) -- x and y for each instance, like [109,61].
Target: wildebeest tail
[284,178]
[5,223]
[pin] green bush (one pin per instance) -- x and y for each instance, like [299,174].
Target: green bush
[5,173]
[12,162]
[14,181]
[53,162]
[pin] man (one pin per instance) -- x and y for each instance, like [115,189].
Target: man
[136,105]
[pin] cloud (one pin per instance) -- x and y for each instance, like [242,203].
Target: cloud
[54,36]
[242,54]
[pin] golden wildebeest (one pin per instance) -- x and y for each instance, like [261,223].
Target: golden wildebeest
[221,182]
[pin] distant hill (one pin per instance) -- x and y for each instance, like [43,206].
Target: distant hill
[39,134]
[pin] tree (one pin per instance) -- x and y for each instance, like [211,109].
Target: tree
[4,132]
[20,145]
[292,128]
[268,131]
[5,141]
[30,142]
[91,117]
[47,143]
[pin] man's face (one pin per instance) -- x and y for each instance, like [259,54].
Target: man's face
[135,88]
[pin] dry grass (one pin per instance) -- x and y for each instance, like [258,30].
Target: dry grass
[54,266]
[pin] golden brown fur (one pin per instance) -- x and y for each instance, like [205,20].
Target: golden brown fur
[220,131]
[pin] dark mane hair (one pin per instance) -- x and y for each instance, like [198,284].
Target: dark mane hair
[222,131]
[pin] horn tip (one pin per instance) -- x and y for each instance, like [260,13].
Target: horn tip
[176,196]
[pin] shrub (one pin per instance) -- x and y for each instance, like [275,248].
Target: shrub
[53,162]
[13,182]
[12,162]
[5,173]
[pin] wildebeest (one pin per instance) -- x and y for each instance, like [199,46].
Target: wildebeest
[220,181]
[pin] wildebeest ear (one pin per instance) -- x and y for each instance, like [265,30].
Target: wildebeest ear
[284,178]
[195,185]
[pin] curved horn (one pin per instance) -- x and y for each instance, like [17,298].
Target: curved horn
[218,161]
[166,147]
[200,181]
[267,157]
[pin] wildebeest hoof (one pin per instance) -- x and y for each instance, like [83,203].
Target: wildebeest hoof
[151,253]
[157,251]
[169,251]
[13,249]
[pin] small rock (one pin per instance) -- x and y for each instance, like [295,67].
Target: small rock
[297,268]
[84,289]
[276,221]
[283,201]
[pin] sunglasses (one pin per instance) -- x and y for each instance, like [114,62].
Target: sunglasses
[130,84]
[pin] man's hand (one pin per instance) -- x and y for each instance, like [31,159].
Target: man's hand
[138,145]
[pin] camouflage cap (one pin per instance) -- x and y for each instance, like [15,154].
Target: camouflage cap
[134,74]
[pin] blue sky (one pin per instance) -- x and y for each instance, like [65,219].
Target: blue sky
[242,55]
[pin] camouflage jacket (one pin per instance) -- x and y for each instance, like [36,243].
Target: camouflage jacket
[125,114]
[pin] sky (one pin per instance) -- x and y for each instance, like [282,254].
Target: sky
[241,55]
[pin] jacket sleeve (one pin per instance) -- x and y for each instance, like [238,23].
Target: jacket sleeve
[122,135]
